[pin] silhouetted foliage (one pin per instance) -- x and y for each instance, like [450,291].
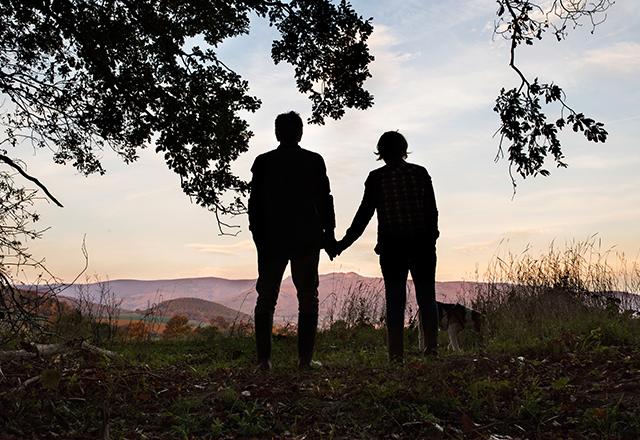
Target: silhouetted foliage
[81,76]
[530,136]
[84,75]
[17,220]
[19,311]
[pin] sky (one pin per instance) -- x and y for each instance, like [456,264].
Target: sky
[436,75]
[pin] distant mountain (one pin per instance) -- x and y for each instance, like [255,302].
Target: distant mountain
[240,295]
[336,287]
[140,294]
[200,310]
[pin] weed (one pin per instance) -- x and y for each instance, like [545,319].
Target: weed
[612,421]
[568,298]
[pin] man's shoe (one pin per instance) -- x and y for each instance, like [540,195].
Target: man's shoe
[307,328]
[264,365]
[311,365]
[263,328]
[395,344]
[430,353]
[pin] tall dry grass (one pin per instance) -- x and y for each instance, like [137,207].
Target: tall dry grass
[355,305]
[568,293]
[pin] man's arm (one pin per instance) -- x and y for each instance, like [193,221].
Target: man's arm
[327,210]
[362,217]
[255,196]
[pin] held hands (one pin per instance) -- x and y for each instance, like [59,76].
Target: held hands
[334,249]
[331,249]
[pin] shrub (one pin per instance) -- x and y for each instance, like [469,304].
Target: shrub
[177,327]
[138,331]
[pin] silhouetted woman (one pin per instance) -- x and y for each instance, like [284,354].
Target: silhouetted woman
[402,195]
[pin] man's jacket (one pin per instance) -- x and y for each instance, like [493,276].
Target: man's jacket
[290,206]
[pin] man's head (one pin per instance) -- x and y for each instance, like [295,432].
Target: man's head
[392,147]
[289,128]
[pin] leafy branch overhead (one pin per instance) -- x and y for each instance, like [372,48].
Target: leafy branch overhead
[82,76]
[530,137]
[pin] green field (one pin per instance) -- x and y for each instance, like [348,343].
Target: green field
[576,384]
[157,319]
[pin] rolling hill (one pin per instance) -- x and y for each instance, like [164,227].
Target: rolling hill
[240,295]
[200,310]
[201,299]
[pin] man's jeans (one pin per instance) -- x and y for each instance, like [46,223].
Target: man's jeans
[396,264]
[304,273]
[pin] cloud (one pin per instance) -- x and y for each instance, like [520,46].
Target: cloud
[622,57]
[602,162]
[624,119]
[240,271]
[234,249]
[516,235]
[382,37]
[475,247]
[150,194]
[435,78]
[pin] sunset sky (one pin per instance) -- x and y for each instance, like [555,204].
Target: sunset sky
[436,75]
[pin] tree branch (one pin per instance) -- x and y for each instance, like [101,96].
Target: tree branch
[48,350]
[14,165]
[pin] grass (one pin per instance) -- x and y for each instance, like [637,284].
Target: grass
[207,388]
[554,361]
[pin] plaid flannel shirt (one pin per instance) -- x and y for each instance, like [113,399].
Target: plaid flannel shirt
[402,195]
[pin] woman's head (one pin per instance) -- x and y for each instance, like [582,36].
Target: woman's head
[392,146]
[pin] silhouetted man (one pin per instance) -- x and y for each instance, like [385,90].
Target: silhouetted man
[291,217]
[402,195]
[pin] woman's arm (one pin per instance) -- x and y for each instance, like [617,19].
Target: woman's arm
[362,217]
[431,210]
